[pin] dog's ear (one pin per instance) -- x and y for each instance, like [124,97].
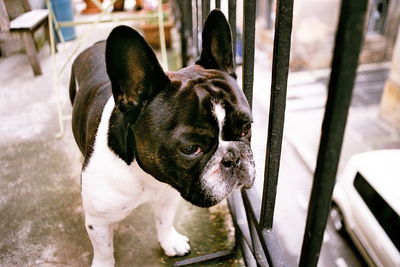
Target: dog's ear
[217,50]
[135,74]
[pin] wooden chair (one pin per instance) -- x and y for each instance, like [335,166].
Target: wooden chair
[26,25]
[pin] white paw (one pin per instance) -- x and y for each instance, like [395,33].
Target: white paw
[174,244]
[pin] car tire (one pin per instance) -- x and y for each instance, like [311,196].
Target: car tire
[337,219]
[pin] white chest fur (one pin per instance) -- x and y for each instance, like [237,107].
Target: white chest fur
[111,189]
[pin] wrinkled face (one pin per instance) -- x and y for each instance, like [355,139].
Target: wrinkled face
[197,136]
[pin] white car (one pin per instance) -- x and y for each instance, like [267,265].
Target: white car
[366,204]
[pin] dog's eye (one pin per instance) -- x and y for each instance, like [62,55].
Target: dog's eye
[190,150]
[246,130]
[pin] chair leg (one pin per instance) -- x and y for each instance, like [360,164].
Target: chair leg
[27,37]
[47,30]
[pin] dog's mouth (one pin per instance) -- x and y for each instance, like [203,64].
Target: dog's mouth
[216,183]
[204,199]
[201,200]
[231,167]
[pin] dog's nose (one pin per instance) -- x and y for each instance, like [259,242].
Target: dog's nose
[231,159]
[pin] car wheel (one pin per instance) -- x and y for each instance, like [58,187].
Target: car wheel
[337,219]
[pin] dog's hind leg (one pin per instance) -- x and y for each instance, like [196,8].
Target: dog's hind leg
[101,236]
[172,242]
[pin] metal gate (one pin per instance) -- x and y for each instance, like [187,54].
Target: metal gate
[253,217]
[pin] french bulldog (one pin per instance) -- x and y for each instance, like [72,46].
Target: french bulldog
[149,135]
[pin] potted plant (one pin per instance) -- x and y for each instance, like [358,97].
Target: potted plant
[119,5]
[151,29]
[91,7]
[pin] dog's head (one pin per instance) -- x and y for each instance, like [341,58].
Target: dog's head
[191,128]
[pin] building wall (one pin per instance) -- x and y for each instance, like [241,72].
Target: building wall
[314,28]
[390,103]
[314,25]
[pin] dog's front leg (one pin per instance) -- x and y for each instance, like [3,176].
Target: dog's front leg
[173,243]
[101,236]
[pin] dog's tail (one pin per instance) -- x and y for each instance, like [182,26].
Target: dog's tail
[72,85]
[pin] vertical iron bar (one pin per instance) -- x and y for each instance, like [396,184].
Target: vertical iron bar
[258,249]
[280,69]
[344,64]
[218,4]
[205,9]
[232,22]
[249,21]
[195,19]
[186,30]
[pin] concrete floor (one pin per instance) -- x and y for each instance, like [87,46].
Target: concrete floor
[41,222]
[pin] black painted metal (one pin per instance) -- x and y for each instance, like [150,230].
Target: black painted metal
[247,254]
[238,212]
[205,9]
[240,221]
[184,12]
[249,29]
[218,4]
[276,255]
[259,252]
[232,22]
[253,219]
[344,65]
[280,68]
[267,240]
[220,255]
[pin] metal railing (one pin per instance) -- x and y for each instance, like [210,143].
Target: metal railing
[253,217]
